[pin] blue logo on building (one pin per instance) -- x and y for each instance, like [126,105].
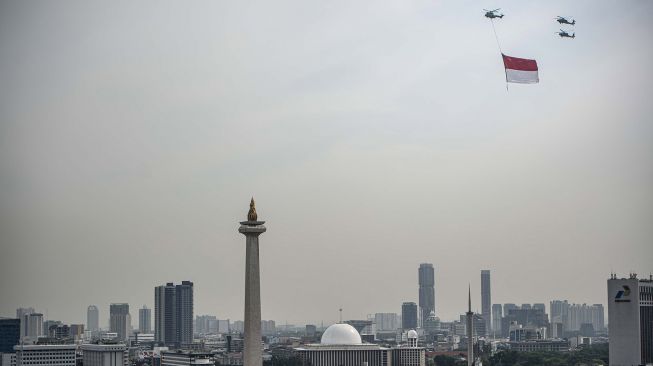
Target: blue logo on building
[622,295]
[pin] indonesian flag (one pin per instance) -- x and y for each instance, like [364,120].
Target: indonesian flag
[520,70]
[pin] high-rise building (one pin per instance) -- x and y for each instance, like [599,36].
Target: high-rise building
[486,299]
[76,331]
[559,313]
[497,314]
[184,313]
[92,318]
[630,311]
[387,321]
[203,324]
[173,314]
[120,320]
[33,325]
[145,320]
[409,315]
[470,330]
[426,279]
[9,334]
[20,314]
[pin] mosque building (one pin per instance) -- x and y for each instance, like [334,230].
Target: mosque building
[341,344]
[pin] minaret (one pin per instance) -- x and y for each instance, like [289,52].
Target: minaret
[252,228]
[470,329]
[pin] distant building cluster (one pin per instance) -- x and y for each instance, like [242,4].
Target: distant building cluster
[172,335]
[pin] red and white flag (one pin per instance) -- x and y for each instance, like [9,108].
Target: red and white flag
[520,70]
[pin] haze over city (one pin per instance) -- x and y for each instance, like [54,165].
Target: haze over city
[374,137]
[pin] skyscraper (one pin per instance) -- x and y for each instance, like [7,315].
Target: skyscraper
[9,334]
[33,325]
[145,320]
[184,313]
[470,329]
[165,303]
[630,312]
[409,315]
[92,318]
[426,279]
[120,320]
[497,314]
[252,228]
[173,314]
[486,299]
[20,314]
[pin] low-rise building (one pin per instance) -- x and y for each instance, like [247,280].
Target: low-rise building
[105,354]
[46,355]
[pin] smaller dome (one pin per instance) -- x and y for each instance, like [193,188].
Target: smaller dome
[341,334]
[412,334]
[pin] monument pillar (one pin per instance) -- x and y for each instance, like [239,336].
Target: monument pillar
[252,228]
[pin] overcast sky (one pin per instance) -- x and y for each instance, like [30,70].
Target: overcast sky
[373,135]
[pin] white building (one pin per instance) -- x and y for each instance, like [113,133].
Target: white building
[185,359]
[630,312]
[105,354]
[410,354]
[46,355]
[342,345]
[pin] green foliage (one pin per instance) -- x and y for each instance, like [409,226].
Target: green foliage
[589,356]
[442,360]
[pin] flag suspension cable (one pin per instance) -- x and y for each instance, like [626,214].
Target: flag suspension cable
[495,36]
[499,46]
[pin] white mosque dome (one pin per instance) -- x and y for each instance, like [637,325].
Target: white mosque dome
[341,334]
[412,333]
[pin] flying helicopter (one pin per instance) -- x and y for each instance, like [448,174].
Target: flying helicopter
[564,34]
[491,14]
[564,20]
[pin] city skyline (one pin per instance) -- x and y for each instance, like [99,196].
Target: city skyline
[134,133]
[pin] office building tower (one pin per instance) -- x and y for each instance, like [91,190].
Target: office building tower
[559,313]
[630,312]
[46,355]
[252,228]
[9,334]
[486,299]
[206,324]
[165,303]
[470,330]
[540,306]
[20,315]
[497,314]
[120,320]
[105,354]
[184,313]
[508,307]
[145,320]
[92,318]
[426,279]
[387,321]
[76,331]
[173,314]
[33,325]
[409,315]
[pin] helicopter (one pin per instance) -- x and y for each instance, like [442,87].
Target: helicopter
[491,14]
[563,20]
[564,34]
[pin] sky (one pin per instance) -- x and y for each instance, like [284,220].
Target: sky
[374,136]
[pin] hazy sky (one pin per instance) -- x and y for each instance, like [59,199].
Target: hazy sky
[373,135]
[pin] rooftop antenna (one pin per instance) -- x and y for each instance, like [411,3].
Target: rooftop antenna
[340,315]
